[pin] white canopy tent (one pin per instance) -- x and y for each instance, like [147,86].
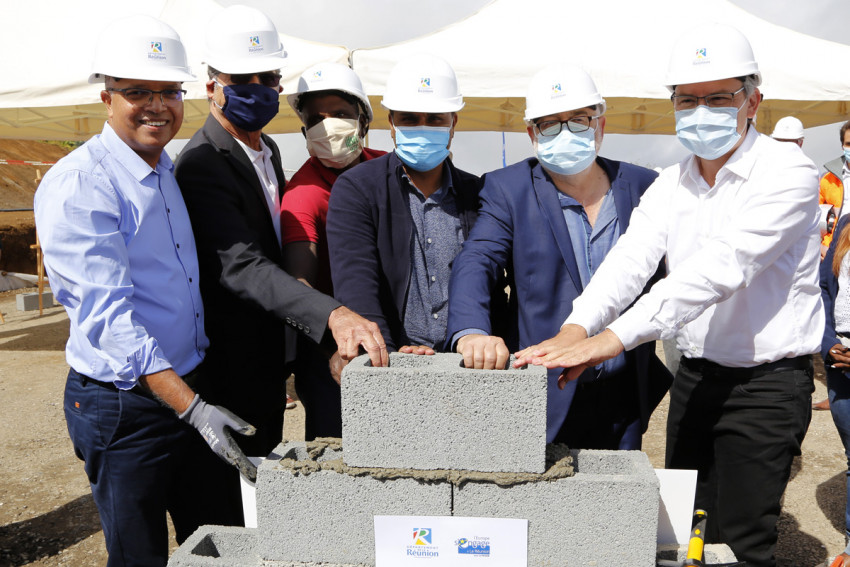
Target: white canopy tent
[625,46]
[48,47]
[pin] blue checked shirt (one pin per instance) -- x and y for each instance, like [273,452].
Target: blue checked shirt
[590,245]
[120,256]
[437,238]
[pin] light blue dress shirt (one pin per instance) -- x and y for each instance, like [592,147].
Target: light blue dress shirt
[590,245]
[121,258]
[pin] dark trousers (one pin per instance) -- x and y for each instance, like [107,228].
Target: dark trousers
[740,429]
[318,391]
[604,414]
[142,462]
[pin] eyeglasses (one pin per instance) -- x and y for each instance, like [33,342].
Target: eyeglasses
[270,79]
[143,97]
[575,124]
[716,100]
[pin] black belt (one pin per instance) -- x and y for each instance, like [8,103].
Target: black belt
[705,366]
[190,378]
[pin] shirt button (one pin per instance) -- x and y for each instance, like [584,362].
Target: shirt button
[429,241]
[178,245]
[197,315]
[168,211]
[190,280]
[433,278]
[436,316]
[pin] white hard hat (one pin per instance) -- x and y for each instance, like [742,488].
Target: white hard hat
[559,88]
[711,52]
[330,77]
[140,47]
[422,83]
[788,128]
[243,40]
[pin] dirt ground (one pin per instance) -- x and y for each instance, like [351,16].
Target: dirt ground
[47,517]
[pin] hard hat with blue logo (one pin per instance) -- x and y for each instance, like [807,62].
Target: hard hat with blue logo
[559,88]
[422,83]
[140,47]
[711,52]
[242,40]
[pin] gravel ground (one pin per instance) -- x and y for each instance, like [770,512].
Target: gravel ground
[47,516]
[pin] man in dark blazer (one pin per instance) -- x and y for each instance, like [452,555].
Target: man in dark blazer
[396,222]
[549,221]
[231,178]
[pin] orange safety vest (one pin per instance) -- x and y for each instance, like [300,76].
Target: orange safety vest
[832,193]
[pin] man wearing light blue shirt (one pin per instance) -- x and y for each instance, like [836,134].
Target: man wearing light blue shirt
[121,258]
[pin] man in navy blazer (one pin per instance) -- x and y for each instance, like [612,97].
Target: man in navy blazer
[549,221]
[395,223]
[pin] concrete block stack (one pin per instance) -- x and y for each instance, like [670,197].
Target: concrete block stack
[427,437]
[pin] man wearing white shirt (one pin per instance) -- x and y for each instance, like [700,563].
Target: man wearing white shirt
[738,223]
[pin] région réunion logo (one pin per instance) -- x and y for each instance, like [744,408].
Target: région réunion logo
[421,536]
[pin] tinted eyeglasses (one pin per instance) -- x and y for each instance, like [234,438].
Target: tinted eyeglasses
[270,79]
[716,100]
[575,124]
[143,97]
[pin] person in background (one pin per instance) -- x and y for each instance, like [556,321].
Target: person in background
[789,129]
[833,181]
[832,193]
[738,223]
[835,349]
[120,255]
[549,221]
[335,113]
[231,178]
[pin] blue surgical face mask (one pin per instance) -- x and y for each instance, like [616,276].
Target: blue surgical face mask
[568,152]
[847,155]
[422,148]
[708,132]
[250,106]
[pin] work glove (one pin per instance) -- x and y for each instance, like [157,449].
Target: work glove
[215,423]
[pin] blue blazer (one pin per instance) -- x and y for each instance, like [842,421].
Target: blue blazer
[521,229]
[369,230]
[828,291]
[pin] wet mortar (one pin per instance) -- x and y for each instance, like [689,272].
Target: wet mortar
[559,464]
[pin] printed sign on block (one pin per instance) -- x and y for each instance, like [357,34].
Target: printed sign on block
[434,541]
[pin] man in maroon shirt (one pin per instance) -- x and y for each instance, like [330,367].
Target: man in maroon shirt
[336,114]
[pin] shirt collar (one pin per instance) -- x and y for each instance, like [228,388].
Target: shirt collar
[446,185]
[254,155]
[741,162]
[137,167]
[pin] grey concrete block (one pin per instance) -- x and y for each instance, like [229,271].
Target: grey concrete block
[29,301]
[218,546]
[606,514]
[712,553]
[428,412]
[320,515]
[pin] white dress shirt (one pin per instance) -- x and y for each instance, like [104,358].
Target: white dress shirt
[743,260]
[262,162]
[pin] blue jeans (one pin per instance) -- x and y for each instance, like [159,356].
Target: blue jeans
[838,385]
[142,462]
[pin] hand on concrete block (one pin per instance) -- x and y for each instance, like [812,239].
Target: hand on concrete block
[351,331]
[416,349]
[483,352]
